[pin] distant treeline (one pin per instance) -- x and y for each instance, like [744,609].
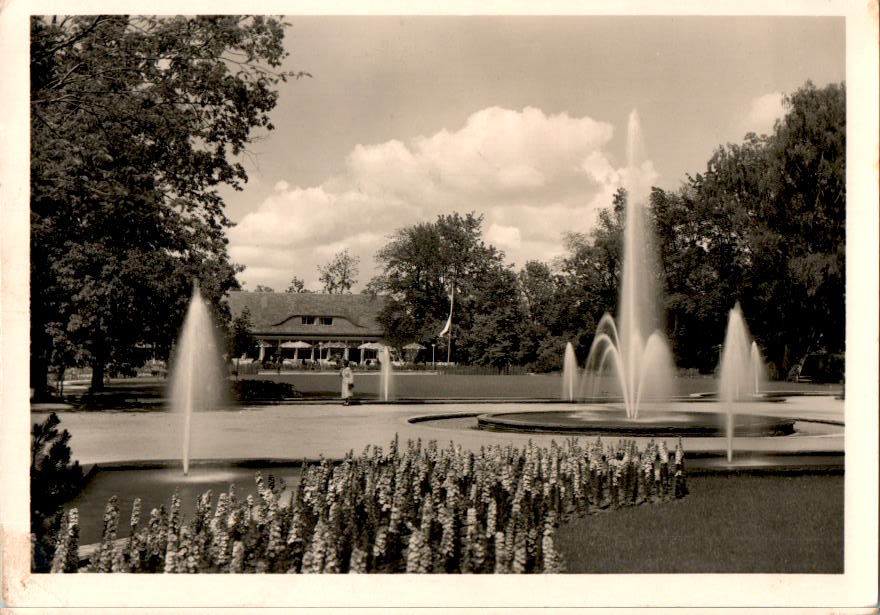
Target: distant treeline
[764,225]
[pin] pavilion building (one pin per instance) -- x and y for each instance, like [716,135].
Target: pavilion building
[308,328]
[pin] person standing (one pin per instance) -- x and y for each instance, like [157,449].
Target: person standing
[347,382]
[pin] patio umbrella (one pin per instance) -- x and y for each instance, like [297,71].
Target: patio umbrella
[263,345]
[297,345]
[338,346]
[412,351]
[375,346]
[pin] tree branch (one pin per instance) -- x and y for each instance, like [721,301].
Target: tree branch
[72,41]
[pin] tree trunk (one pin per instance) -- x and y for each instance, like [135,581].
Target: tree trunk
[41,347]
[786,360]
[98,364]
[675,345]
[39,376]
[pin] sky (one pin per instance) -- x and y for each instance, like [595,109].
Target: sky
[521,119]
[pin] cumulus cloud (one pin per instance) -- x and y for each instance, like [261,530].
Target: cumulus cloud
[504,237]
[532,175]
[762,114]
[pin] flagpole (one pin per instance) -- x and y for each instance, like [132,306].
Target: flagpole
[449,346]
[448,328]
[451,306]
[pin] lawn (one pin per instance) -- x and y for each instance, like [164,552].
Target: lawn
[733,523]
[421,385]
[148,392]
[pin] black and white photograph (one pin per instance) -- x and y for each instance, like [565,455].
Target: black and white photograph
[489,308]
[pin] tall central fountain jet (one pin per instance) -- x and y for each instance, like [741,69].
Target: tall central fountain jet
[640,360]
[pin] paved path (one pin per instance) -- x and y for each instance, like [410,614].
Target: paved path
[295,431]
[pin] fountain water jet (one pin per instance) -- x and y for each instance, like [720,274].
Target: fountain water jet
[385,375]
[759,370]
[740,370]
[569,372]
[198,376]
[642,363]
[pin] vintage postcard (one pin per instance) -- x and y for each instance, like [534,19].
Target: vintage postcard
[489,308]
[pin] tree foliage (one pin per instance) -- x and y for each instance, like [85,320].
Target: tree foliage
[242,339]
[340,274]
[297,286]
[763,225]
[54,480]
[539,287]
[495,334]
[428,265]
[135,123]
[577,289]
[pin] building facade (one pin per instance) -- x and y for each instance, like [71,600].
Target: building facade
[304,329]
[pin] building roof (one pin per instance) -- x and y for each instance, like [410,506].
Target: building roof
[354,316]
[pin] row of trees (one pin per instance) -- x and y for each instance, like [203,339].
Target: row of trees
[500,316]
[764,225]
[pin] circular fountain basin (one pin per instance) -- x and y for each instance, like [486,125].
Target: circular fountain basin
[155,482]
[614,422]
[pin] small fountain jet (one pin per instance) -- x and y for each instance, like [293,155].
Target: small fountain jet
[198,376]
[740,371]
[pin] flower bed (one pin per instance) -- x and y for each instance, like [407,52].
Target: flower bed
[412,509]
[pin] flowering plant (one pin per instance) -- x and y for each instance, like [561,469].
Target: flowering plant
[418,508]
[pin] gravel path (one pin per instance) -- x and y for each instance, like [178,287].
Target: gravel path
[294,431]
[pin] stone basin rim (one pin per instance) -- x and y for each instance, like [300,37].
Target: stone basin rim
[613,421]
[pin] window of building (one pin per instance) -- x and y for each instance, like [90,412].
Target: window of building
[317,320]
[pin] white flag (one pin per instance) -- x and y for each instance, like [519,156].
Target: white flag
[448,320]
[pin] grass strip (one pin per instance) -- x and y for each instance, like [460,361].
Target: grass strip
[727,524]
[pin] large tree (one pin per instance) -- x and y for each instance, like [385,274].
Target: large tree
[428,265]
[695,303]
[135,123]
[809,218]
[538,287]
[764,225]
[495,335]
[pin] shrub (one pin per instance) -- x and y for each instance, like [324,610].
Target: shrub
[54,481]
[422,509]
[262,390]
[551,351]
